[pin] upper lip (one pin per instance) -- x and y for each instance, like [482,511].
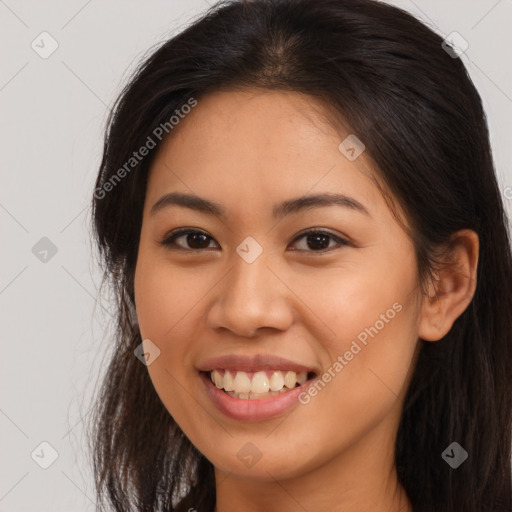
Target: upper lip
[254,363]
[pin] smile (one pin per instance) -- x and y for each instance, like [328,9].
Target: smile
[257,385]
[250,405]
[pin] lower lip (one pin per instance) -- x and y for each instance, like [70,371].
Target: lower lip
[252,409]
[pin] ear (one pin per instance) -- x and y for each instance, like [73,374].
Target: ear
[453,287]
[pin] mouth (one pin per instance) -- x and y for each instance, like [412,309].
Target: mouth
[244,385]
[255,387]
[257,395]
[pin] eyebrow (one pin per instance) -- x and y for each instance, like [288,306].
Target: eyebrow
[280,210]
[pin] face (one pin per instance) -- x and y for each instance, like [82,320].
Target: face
[271,289]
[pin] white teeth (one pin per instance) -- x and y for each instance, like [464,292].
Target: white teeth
[276,381]
[229,383]
[240,385]
[217,379]
[259,383]
[290,379]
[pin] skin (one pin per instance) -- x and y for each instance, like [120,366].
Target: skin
[248,150]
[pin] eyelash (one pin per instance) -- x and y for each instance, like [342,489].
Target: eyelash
[170,240]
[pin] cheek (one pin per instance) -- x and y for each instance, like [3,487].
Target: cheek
[377,357]
[372,318]
[166,299]
[166,303]
[363,387]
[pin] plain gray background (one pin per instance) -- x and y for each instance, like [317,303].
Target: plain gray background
[53,111]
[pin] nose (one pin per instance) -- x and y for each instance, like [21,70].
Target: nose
[251,297]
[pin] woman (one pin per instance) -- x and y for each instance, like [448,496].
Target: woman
[298,212]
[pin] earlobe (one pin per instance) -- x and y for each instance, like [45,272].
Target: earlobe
[453,288]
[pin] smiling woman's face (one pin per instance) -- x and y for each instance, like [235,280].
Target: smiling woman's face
[343,303]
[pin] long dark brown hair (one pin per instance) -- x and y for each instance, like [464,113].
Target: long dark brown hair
[387,76]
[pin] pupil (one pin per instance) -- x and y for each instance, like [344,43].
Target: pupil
[314,239]
[199,238]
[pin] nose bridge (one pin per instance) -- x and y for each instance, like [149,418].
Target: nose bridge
[251,296]
[249,278]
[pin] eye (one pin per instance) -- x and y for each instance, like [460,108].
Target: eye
[319,241]
[315,240]
[193,239]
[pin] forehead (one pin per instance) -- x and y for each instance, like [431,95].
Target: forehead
[256,146]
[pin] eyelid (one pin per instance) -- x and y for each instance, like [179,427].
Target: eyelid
[170,237]
[340,240]
[323,231]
